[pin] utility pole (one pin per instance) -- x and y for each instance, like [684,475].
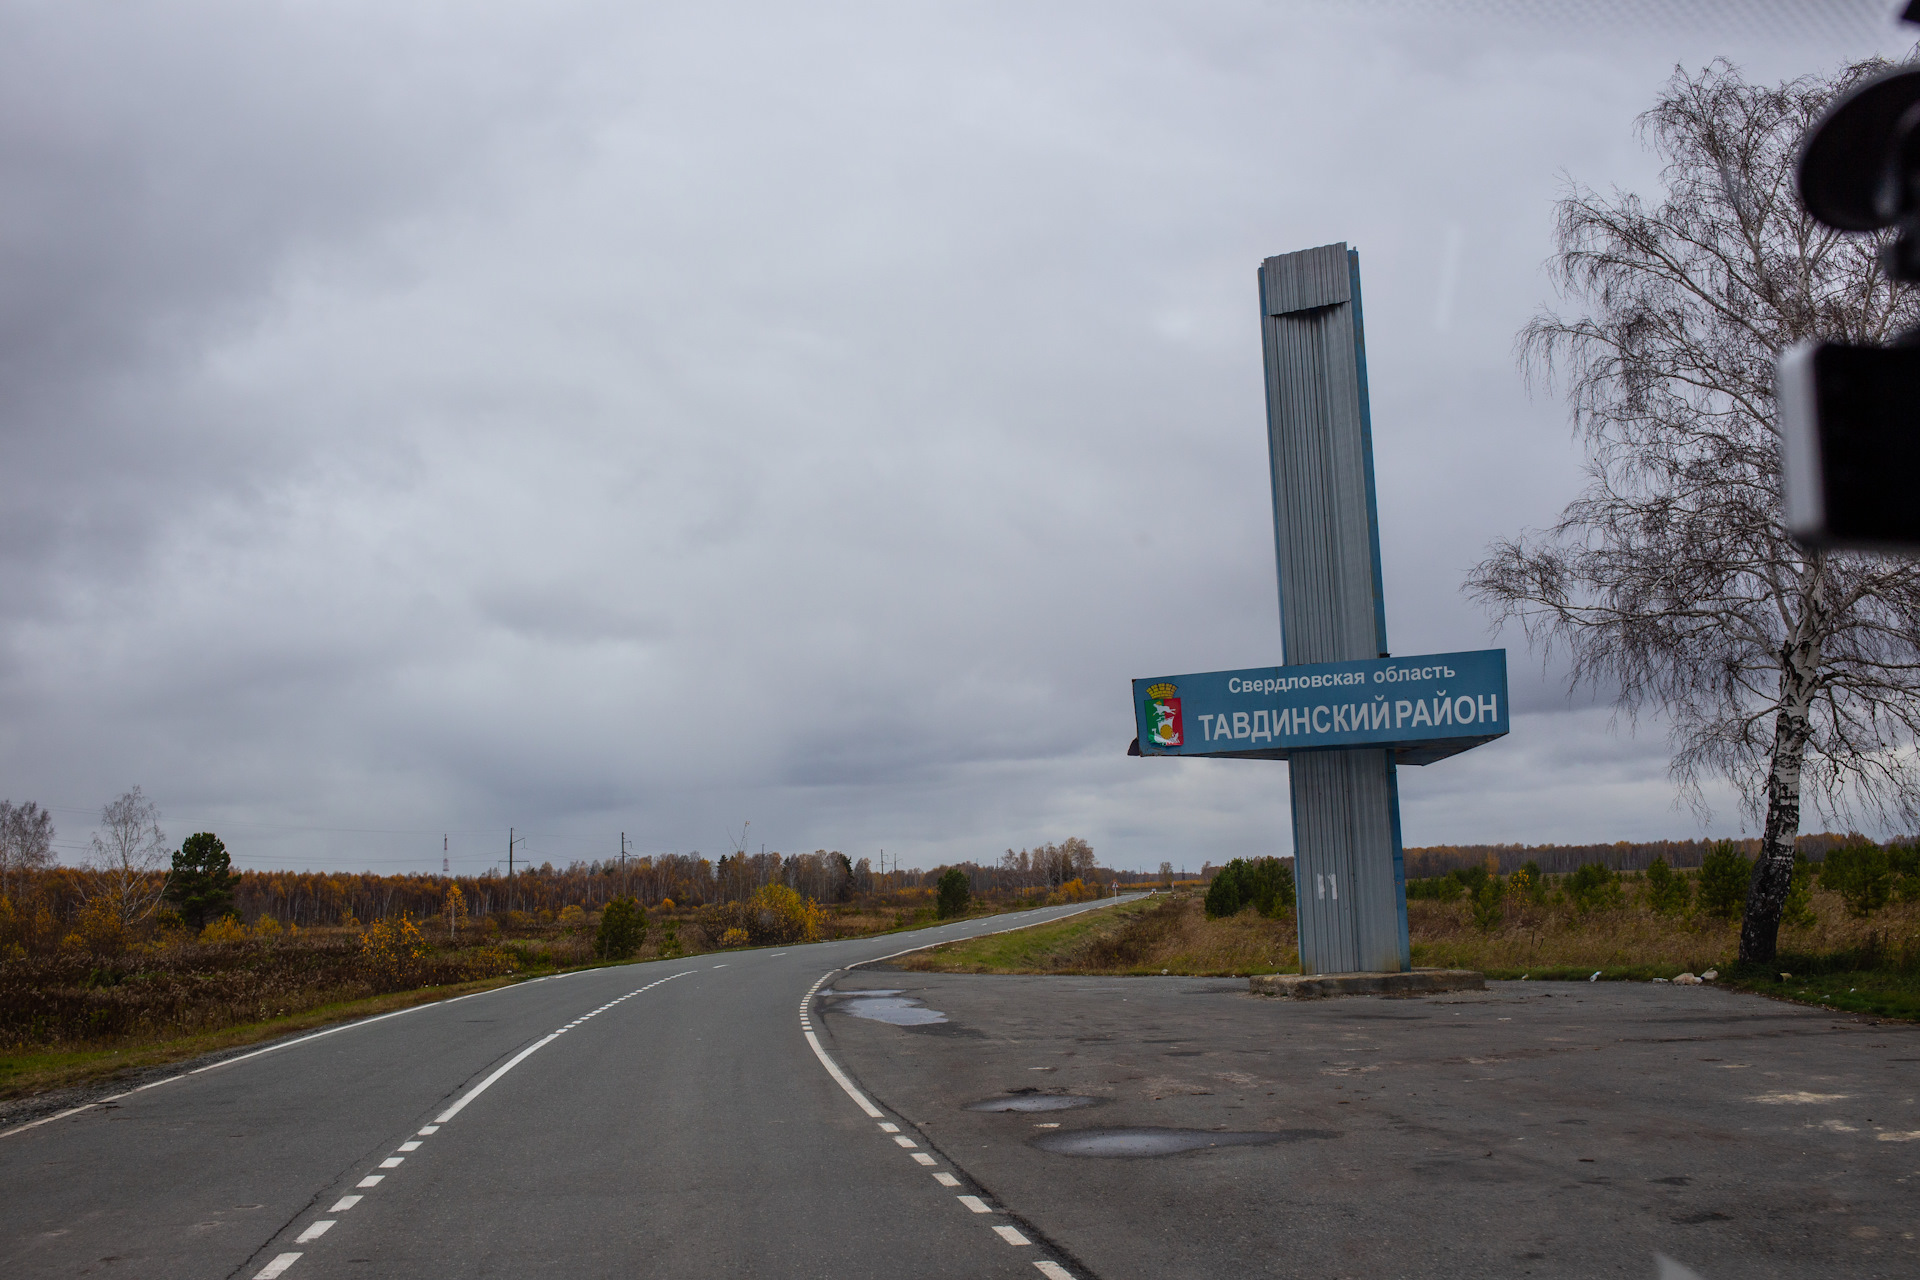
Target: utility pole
[446,863]
[510,843]
[624,890]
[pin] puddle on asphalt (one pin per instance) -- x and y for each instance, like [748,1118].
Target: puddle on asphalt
[1031,1101]
[888,1006]
[1136,1143]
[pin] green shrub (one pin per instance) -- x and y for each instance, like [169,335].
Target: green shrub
[1668,891]
[1264,883]
[1798,910]
[1536,885]
[953,893]
[1490,903]
[1904,861]
[1725,877]
[1471,878]
[1593,887]
[623,927]
[1861,873]
[1434,889]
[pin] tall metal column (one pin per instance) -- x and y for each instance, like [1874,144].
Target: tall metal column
[1346,806]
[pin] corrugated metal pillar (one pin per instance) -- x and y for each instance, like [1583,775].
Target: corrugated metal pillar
[1346,809]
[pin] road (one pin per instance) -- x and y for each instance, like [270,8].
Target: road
[661,1119]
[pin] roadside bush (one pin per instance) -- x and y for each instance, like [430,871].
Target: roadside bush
[1264,883]
[1861,873]
[1725,875]
[1490,904]
[1668,892]
[225,929]
[1434,889]
[623,927]
[954,894]
[775,915]
[1594,887]
[1471,878]
[394,954]
[1798,908]
[1904,860]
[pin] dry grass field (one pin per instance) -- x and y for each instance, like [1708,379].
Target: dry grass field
[1870,964]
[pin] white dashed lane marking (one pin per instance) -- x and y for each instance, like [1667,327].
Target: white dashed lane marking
[1011,1235]
[319,1228]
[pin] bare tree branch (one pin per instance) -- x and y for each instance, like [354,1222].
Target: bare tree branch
[1670,579]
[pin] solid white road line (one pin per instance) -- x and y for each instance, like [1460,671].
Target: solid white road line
[840,1078]
[275,1267]
[1010,1235]
[314,1232]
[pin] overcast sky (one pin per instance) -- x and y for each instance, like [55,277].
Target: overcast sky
[422,419]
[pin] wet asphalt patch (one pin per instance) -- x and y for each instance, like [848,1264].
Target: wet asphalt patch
[1141,1143]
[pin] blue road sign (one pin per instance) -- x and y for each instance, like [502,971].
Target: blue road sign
[1425,708]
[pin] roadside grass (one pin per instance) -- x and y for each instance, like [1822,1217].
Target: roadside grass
[1867,965]
[1146,937]
[30,1070]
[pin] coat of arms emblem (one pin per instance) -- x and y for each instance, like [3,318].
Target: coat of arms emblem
[1164,728]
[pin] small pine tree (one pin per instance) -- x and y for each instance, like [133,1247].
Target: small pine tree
[1668,892]
[1490,903]
[1861,873]
[623,927]
[1725,875]
[1798,910]
[1229,890]
[1594,887]
[200,886]
[954,894]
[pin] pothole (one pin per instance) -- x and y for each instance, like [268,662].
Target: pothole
[1137,1143]
[889,1006]
[1034,1102]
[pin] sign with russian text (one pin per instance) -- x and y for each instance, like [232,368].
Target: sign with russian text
[1425,708]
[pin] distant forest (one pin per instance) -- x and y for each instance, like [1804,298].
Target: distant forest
[1622,855]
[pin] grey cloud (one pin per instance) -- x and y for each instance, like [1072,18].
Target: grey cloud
[593,419]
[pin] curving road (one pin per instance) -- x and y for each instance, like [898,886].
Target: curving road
[676,1118]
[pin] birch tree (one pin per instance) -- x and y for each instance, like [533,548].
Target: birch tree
[26,843]
[1670,581]
[129,851]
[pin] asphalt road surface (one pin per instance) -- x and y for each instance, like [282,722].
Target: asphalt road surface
[663,1119]
[1559,1129]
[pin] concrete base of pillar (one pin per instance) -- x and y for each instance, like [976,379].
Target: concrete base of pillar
[1420,982]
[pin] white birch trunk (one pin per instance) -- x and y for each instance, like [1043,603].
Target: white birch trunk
[1773,872]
